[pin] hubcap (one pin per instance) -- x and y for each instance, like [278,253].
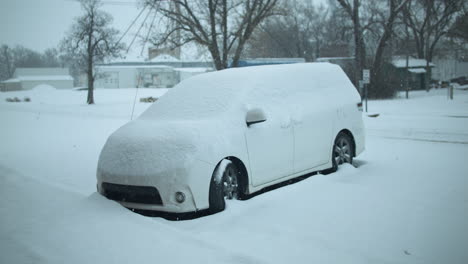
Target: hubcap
[342,151]
[230,184]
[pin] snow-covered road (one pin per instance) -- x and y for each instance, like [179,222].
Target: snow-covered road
[407,202]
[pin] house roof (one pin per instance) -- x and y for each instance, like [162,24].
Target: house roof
[22,72]
[133,66]
[400,62]
[164,58]
[417,70]
[39,78]
[195,69]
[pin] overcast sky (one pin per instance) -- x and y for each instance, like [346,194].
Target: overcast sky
[41,24]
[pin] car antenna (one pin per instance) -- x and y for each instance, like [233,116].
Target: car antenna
[134,100]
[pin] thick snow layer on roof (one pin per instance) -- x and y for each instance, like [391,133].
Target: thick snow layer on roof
[400,62]
[196,69]
[46,78]
[164,58]
[266,60]
[15,80]
[418,70]
[133,66]
[40,78]
[217,92]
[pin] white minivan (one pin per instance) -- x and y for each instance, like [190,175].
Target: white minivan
[227,134]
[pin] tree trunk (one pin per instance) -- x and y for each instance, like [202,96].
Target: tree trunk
[219,65]
[225,34]
[8,63]
[237,54]
[90,74]
[377,77]
[359,44]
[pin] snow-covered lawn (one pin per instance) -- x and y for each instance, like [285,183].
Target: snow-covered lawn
[407,202]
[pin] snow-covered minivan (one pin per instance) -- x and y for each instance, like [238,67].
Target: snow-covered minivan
[226,134]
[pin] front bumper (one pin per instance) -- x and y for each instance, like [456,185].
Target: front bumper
[155,195]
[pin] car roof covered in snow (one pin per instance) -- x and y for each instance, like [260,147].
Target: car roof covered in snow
[215,92]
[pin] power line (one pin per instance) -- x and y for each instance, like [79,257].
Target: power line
[131,24]
[121,3]
[138,32]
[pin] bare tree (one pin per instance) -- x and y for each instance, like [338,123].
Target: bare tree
[50,58]
[429,21]
[19,56]
[353,11]
[222,26]
[387,23]
[460,28]
[6,65]
[91,40]
[378,18]
[299,32]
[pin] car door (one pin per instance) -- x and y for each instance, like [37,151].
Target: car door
[270,147]
[312,125]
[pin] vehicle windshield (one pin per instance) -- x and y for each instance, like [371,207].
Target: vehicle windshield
[196,98]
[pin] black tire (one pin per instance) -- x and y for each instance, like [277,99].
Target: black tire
[227,187]
[343,150]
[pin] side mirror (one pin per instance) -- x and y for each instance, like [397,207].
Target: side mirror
[255,116]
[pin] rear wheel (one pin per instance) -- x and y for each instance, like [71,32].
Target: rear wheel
[224,185]
[343,150]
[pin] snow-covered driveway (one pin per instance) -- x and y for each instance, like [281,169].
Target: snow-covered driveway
[407,202]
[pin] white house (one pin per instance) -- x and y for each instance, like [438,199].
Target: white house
[28,78]
[449,68]
[163,71]
[135,75]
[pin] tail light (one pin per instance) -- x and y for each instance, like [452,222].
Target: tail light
[359,106]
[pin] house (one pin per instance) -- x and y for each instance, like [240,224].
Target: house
[267,61]
[28,78]
[449,68]
[163,71]
[414,69]
[135,75]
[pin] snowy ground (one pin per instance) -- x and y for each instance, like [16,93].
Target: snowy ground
[407,201]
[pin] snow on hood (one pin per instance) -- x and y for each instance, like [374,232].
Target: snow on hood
[145,148]
[149,147]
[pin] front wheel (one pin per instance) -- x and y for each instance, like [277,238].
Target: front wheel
[224,185]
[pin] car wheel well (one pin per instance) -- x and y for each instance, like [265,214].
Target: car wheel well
[347,132]
[244,178]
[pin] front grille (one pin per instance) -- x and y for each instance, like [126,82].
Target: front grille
[132,194]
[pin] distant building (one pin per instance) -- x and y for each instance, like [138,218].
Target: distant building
[128,76]
[267,61]
[415,70]
[449,68]
[163,71]
[28,78]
